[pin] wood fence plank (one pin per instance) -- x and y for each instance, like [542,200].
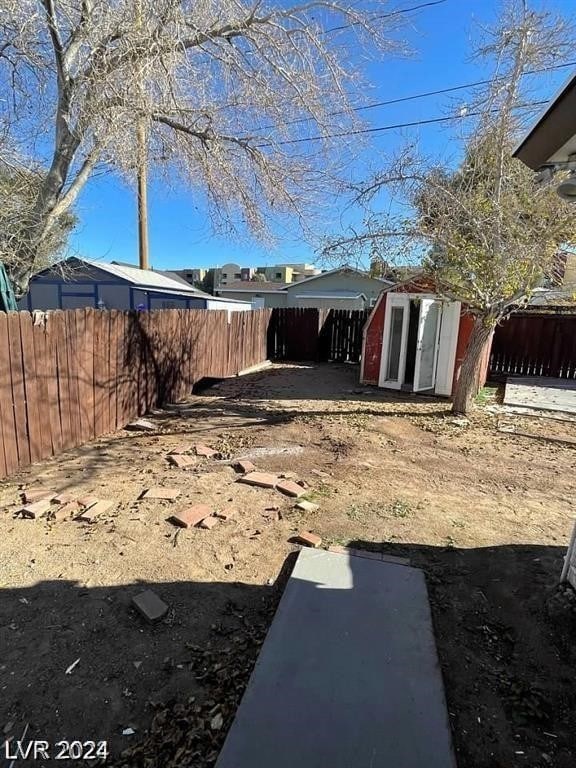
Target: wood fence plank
[30,386]
[58,324]
[18,390]
[40,340]
[100,375]
[51,373]
[8,437]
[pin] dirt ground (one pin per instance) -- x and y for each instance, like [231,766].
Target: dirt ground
[485,513]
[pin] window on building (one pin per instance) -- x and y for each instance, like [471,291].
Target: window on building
[278,275]
[237,276]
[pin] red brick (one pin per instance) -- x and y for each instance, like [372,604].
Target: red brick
[63,498]
[209,522]
[88,501]
[180,461]
[290,488]
[101,507]
[37,494]
[204,450]
[180,449]
[37,509]
[190,516]
[65,511]
[245,466]
[261,479]
[309,539]
[150,605]
[158,492]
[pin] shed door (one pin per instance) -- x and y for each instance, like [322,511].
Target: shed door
[427,344]
[449,326]
[393,360]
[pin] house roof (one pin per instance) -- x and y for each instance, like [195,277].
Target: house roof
[331,295]
[146,278]
[552,138]
[345,269]
[247,286]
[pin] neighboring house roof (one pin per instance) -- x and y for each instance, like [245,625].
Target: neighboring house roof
[249,286]
[552,138]
[148,279]
[332,295]
[343,270]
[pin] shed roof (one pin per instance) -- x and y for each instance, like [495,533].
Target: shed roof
[145,278]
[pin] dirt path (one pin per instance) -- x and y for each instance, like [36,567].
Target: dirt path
[487,514]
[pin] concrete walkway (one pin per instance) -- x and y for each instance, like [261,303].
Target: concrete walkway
[348,676]
[542,393]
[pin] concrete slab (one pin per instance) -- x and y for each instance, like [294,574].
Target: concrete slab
[542,393]
[348,676]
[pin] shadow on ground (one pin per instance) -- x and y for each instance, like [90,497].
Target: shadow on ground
[504,635]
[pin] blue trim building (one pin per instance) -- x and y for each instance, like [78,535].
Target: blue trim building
[77,283]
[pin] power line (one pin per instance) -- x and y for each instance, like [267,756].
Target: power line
[387,15]
[414,97]
[380,128]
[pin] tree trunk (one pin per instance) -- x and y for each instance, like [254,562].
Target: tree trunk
[467,384]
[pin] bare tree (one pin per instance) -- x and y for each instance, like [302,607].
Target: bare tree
[229,92]
[486,233]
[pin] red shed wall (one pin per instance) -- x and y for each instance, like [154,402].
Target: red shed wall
[373,344]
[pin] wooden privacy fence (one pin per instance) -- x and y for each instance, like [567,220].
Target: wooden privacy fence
[535,344]
[75,375]
[316,334]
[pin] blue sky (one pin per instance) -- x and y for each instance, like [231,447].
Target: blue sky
[180,236]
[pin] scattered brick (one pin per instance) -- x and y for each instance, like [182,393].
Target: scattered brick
[180,449]
[141,425]
[158,492]
[209,522]
[260,479]
[101,507]
[307,506]
[309,539]
[65,511]
[63,498]
[36,509]
[180,461]
[204,450]
[190,516]
[290,488]
[245,466]
[37,494]
[88,501]
[150,605]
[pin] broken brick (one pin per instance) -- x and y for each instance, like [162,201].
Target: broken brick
[260,479]
[37,494]
[190,516]
[101,507]
[63,498]
[65,511]
[158,492]
[88,501]
[37,509]
[180,449]
[204,450]
[290,488]
[307,506]
[180,461]
[245,466]
[309,539]
[141,425]
[150,605]
[209,522]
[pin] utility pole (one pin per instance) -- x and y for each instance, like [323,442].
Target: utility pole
[142,160]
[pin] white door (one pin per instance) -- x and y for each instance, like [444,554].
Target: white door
[427,344]
[393,361]
[447,344]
